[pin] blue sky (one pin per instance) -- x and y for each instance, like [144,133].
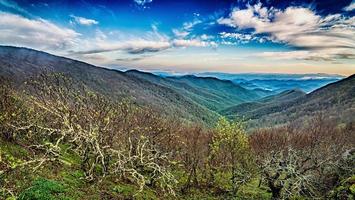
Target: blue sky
[189,35]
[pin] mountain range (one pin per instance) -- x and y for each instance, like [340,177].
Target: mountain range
[336,101]
[199,97]
[189,97]
[274,83]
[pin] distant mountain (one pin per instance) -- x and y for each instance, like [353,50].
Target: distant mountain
[211,93]
[223,93]
[268,76]
[254,109]
[335,101]
[188,97]
[277,83]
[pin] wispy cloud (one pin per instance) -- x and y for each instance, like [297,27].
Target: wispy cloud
[180,33]
[131,59]
[84,21]
[14,6]
[186,28]
[45,35]
[142,46]
[36,33]
[314,55]
[192,43]
[149,42]
[138,46]
[143,3]
[329,36]
[241,38]
[350,7]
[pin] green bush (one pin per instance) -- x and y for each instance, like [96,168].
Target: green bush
[346,190]
[43,189]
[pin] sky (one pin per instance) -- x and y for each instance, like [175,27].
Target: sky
[239,36]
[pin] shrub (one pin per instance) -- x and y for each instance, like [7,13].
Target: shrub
[346,190]
[230,152]
[43,189]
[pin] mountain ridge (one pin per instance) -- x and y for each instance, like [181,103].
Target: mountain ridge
[193,98]
[335,100]
[167,94]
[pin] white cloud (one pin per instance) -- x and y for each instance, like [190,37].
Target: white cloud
[143,46]
[315,55]
[190,25]
[140,45]
[284,55]
[350,7]
[240,38]
[149,42]
[134,46]
[84,21]
[180,33]
[36,33]
[206,37]
[143,2]
[42,34]
[298,27]
[189,43]
[186,28]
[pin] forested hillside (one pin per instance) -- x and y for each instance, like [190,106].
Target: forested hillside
[251,109]
[336,101]
[212,93]
[191,98]
[70,130]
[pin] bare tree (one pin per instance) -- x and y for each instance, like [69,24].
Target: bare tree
[297,162]
[110,137]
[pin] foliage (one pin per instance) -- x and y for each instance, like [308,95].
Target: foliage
[346,190]
[230,152]
[43,189]
[128,192]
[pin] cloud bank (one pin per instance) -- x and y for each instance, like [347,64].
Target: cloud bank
[326,37]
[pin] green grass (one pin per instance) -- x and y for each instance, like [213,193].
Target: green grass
[43,189]
[253,191]
[127,191]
